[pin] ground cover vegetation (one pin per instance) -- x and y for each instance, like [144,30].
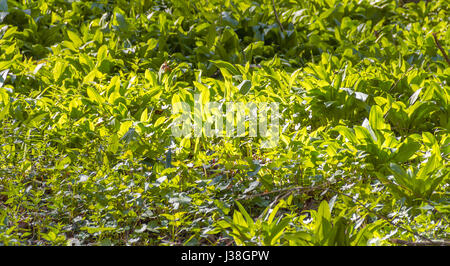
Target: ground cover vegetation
[87,156]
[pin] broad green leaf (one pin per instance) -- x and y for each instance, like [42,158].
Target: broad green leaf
[144,116]
[246,215]
[238,219]
[273,213]
[204,92]
[160,121]
[94,95]
[428,168]
[102,53]
[76,40]
[293,77]
[347,133]
[92,230]
[406,150]
[3,76]
[414,96]
[124,127]
[227,66]
[278,230]
[324,211]
[58,70]
[376,118]
[119,20]
[32,122]
[363,133]
[244,87]
[401,176]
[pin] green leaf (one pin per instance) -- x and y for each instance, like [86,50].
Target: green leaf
[244,87]
[238,219]
[430,166]
[3,16]
[273,213]
[34,121]
[277,230]
[338,236]
[245,213]
[144,116]
[102,54]
[119,20]
[204,92]
[400,175]
[3,76]
[347,133]
[293,77]
[58,70]
[3,5]
[94,95]
[222,65]
[365,132]
[376,118]
[77,42]
[406,150]
[159,121]
[124,127]
[92,230]
[324,211]
[414,96]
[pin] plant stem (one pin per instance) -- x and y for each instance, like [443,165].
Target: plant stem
[438,44]
[411,243]
[276,16]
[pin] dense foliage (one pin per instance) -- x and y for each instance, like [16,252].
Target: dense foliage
[86,151]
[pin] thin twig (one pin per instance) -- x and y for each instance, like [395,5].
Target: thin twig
[438,44]
[292,189]
[411,243]
[435,209]
[385,218]
[275,201]
[398,80]
[326,187]
[276,16]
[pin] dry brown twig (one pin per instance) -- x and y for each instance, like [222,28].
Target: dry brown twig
[411,243]
[282,193]
[428,241]
[276,16]
[292,189]
[439,46]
